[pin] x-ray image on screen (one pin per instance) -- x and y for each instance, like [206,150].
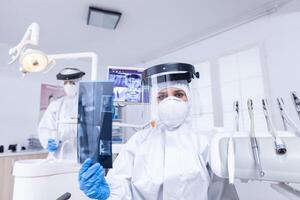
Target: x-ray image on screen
[94,135]
[127,84]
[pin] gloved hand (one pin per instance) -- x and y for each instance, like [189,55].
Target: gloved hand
[92,181]
[52,145]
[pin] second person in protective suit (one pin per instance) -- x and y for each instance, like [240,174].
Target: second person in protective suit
[58,126]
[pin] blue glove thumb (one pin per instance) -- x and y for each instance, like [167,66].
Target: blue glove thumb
[52,145]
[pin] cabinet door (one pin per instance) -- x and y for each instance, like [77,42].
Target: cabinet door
[6,177]
[6,168]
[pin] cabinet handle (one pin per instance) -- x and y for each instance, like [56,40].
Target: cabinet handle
[12,165]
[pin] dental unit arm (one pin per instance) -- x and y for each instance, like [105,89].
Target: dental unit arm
[280,170]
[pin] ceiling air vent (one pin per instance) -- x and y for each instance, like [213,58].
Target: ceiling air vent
[103,18]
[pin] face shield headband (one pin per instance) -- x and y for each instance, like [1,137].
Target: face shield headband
[169,72]
[70,74]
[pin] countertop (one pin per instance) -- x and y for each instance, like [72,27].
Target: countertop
[116,148]
[23,153]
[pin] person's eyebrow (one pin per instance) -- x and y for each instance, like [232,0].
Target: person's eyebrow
[162,92]
[180,91]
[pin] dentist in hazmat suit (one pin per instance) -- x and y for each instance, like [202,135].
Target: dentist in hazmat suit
[169,160]
[58,126]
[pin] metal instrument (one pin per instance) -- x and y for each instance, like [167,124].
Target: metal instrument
[231,149]
[280,147]
[254,144]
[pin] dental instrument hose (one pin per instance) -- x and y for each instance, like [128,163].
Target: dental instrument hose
[280,147]
[230,147]
[253,140]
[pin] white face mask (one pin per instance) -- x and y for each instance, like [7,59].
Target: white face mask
[70,89]
[172,111]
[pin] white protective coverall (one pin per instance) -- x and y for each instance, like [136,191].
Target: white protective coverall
[158,164]
[59,122]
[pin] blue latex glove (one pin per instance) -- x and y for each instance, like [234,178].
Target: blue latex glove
[92,181]
[52,145]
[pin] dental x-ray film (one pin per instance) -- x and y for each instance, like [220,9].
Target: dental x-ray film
[127,84]
[94,135]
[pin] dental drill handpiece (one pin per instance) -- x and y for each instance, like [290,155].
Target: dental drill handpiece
[279,103]
[280,147]
[230,147]
[286,118]
[296,102]
[254,144]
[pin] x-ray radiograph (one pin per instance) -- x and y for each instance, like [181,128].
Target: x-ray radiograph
[127,84]
[95,122]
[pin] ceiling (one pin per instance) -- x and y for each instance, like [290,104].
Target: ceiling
[147,29]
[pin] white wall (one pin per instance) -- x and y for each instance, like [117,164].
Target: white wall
[19,108]
[20,98]
[279,37]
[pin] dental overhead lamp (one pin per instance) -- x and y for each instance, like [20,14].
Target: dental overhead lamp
[33,60]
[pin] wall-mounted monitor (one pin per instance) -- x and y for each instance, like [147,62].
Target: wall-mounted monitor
[127,84]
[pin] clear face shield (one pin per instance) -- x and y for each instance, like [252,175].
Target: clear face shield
[71,88]
[167,87]
[70,78]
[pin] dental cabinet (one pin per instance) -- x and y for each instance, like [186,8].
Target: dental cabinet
[7,161]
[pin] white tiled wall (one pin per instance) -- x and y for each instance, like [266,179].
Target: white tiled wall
[202,98]
[241,78]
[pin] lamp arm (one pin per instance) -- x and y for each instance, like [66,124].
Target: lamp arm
[67,56]
[31,37]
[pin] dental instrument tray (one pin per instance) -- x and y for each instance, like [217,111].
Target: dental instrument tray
[278,168]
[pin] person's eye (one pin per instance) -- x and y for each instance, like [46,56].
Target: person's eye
[179,95]
[161,97]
